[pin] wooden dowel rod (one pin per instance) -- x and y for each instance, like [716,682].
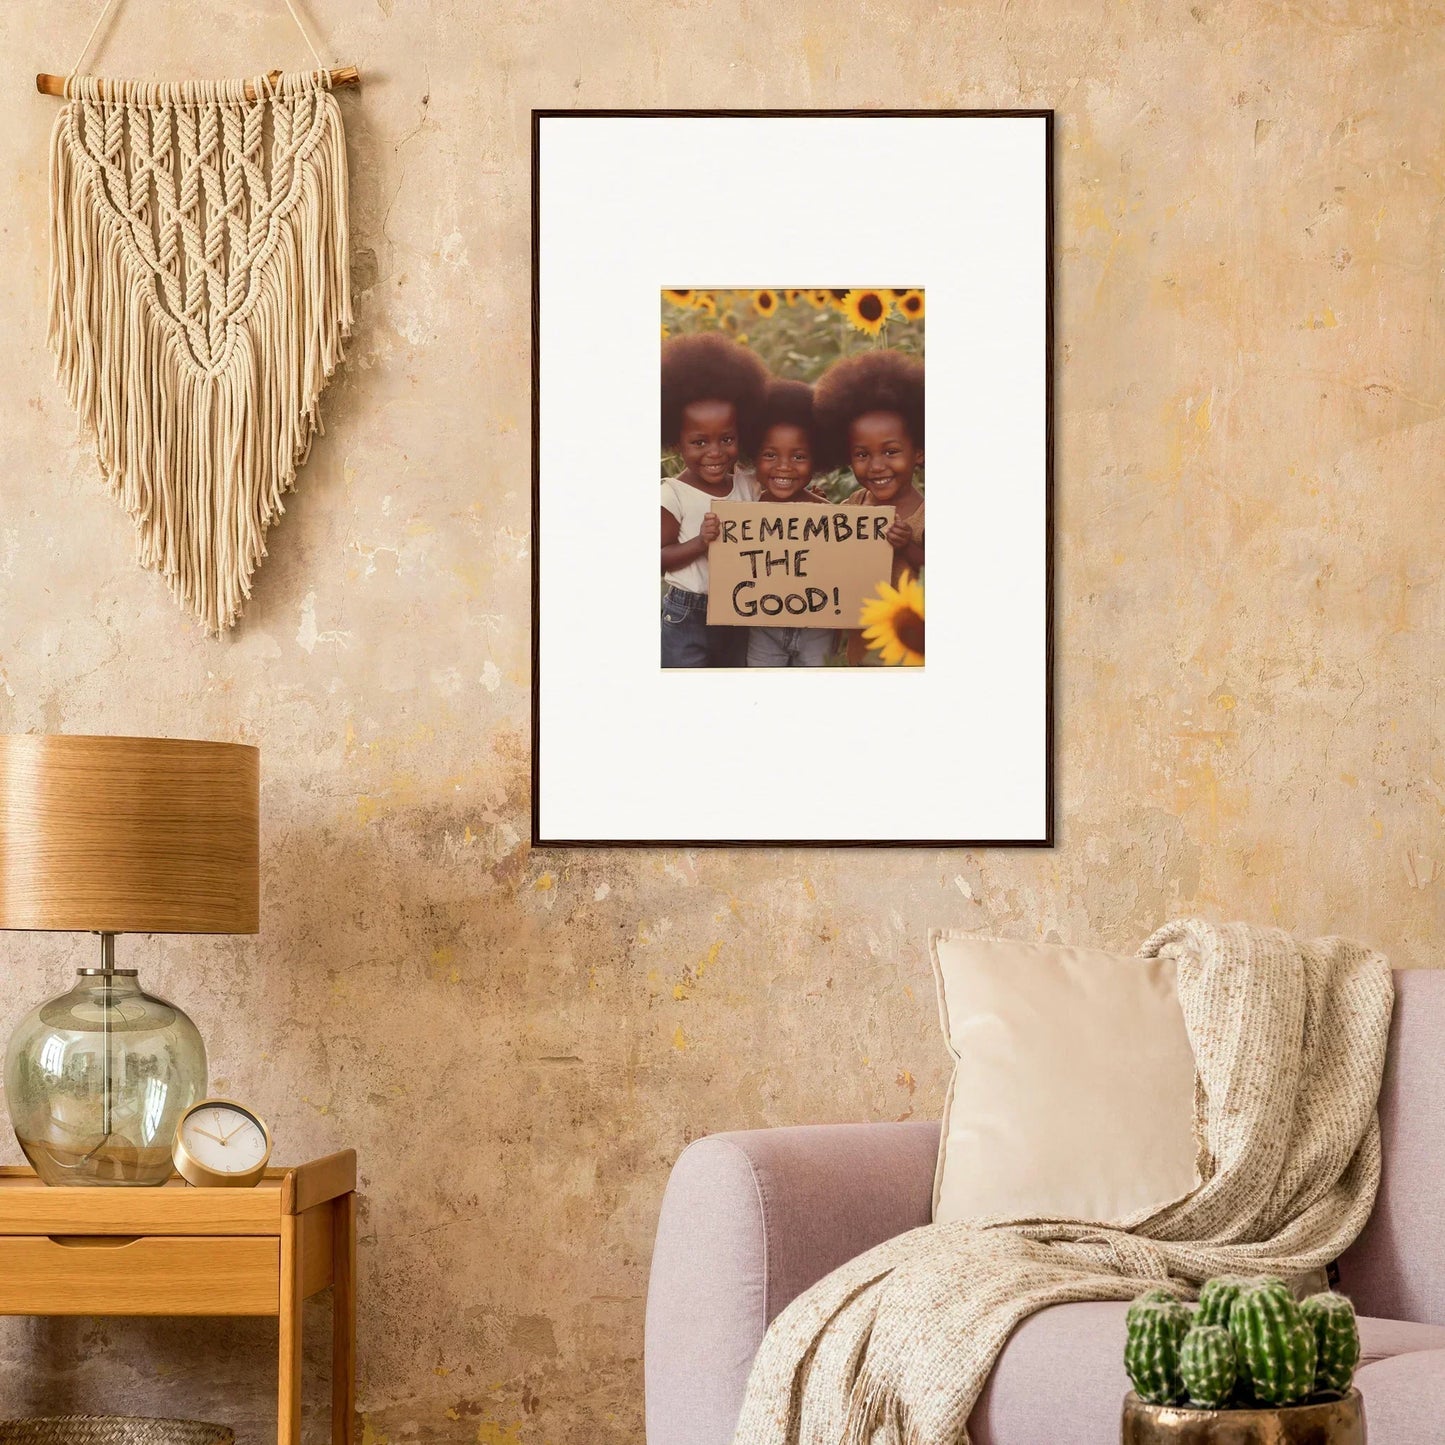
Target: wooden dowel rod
[344,75]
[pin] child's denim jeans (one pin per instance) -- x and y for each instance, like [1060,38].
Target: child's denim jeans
[789,646]
[687,640]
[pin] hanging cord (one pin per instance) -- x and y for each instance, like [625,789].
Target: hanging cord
[106,8]
[305,35]
[90,40]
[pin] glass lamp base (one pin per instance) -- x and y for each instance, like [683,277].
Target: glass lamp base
[113,1162]
[98,1079]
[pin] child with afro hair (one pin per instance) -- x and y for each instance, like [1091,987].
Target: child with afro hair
[784,444]
[785,452]
[711,391]
[870,409]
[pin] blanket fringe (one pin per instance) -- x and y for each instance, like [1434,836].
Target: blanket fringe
[877,1415]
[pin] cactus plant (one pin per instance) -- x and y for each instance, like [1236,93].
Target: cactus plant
[1275,1345]
[1150,1297]
[1248,1343]
[1337,1340]
[1217,1297]
[1156,1328]
[1207,1365]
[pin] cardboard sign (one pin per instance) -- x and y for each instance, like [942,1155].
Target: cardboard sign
[796,565]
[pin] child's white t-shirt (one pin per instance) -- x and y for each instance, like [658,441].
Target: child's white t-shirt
[690,506]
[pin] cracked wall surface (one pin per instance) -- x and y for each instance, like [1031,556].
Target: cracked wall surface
[1249,635]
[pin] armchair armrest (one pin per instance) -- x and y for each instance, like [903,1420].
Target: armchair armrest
[748,1222]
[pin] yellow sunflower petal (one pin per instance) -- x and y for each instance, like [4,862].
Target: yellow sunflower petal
[910,592]
[883,606]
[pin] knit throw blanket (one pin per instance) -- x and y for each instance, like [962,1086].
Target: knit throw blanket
[1289,1041]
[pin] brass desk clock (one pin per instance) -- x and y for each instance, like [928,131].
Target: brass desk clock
[221,1144]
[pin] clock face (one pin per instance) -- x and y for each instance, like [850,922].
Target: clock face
[224,1138]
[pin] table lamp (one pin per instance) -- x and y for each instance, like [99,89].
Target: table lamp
[112,835]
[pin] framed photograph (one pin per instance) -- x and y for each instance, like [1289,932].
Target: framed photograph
[738,637]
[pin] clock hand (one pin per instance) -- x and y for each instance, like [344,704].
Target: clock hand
[208,1134]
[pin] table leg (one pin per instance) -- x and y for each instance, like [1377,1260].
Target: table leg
[343,1321]
[288,1373]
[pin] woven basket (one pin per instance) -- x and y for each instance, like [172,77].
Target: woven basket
[112,1430]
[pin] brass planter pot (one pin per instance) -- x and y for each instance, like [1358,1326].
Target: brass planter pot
[1328,1422]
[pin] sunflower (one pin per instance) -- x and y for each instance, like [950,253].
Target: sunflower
[680,298]
[910,305]
[665,333]
[765,303]
[867,310]
[838,300]
[816,299]
[892,622]
[706,302]
[791,297]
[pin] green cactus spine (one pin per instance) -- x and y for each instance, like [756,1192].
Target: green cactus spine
[1217,1297]
[1151,1355]
[1337,1340]
[1275,1346]
[1207,1365]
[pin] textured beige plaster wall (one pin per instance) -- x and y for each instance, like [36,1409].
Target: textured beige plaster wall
[1249,638]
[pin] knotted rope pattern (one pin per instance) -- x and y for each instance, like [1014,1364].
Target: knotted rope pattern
[200,298]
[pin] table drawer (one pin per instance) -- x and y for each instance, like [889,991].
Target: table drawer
[149,1275]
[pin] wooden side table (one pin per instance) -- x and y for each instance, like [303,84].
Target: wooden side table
[183,1251]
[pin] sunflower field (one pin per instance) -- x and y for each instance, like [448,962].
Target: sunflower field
[799,334]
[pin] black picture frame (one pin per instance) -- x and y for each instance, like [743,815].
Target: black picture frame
[1047,840]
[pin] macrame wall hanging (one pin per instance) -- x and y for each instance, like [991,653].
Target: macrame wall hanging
[200,298]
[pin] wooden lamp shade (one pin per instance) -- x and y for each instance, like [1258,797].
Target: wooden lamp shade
[129,835]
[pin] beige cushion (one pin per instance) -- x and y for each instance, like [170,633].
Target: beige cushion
[1072,1091]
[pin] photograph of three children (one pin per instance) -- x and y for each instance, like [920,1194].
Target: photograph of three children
[788,415]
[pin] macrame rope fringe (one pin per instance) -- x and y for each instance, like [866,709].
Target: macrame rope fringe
[200,299]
